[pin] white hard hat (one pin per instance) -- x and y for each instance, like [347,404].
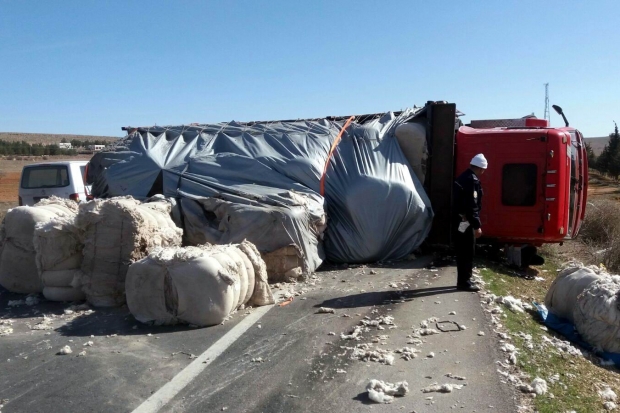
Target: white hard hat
[480,161]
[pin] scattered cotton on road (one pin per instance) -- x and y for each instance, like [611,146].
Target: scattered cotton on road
[383,392]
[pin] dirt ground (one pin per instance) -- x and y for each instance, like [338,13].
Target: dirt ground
[600,186]
[9,185]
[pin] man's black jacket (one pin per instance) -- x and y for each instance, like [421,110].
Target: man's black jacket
[467,198]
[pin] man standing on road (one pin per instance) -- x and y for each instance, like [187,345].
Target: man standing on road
[467,198]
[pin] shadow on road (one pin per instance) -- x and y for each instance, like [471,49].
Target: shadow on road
[383,297]
[101,322]
[417,263]
[23,310]
[363,397]
[108,321]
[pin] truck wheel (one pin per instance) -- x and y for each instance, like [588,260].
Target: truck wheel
[522,256]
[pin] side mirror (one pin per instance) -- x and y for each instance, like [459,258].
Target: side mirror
[560,112]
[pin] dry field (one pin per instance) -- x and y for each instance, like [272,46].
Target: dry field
[48,138]
[602,187]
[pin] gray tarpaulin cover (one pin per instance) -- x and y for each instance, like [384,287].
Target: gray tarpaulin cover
[261,181]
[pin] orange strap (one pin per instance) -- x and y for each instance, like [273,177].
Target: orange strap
[331,151]
[286,302]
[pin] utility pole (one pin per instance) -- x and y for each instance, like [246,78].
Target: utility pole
[547,113]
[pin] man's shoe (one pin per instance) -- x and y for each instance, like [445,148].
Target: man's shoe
[468,287]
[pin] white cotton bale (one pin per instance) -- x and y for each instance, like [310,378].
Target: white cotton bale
[154,217]
[561,297]
[72,262]
[55,201]
[118,232]
[180,285]
[146,291]
[161,211]
[235,254]
[249,269]
[19,224]
[411,138]
[18,270]
[60,278]
[231,268]
[61,209]
[217,300]
[597,314]
[262,294]
[63,294]
[57,244]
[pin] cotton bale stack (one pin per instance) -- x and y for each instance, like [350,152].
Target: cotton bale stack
[589,297]
[58,249]
[197,285]
[18,268]
[118,232]
[284,264]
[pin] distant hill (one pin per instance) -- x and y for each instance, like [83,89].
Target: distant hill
[598,144]
[50,138]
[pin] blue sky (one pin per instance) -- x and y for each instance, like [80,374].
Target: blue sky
[86,67]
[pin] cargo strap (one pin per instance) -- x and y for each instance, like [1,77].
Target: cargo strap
[331,151]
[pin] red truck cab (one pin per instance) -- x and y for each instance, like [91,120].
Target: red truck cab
[535,188]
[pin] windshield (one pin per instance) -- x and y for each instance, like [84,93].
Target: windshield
[574,181]
[49,176]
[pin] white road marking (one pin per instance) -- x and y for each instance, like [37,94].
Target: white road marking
[163,396]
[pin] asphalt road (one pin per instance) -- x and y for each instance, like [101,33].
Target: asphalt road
[302,364]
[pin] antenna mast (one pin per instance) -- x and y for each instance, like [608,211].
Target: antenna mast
[547,113]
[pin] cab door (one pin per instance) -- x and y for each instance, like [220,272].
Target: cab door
[520,203]
[513,204]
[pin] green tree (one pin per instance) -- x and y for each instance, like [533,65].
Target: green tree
[63,140]
[54,149]
[38,149]
[609,161]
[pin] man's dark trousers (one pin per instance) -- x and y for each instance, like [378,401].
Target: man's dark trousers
[465,244]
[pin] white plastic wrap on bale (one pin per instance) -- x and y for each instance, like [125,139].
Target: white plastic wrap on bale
[563,292]
[118,232]
[59,257]
[588,296]
[196,285]
[18,268]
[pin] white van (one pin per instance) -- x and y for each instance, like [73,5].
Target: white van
[62,179]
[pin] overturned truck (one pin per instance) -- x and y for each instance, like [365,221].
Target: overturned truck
[301,191]
[353,189]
